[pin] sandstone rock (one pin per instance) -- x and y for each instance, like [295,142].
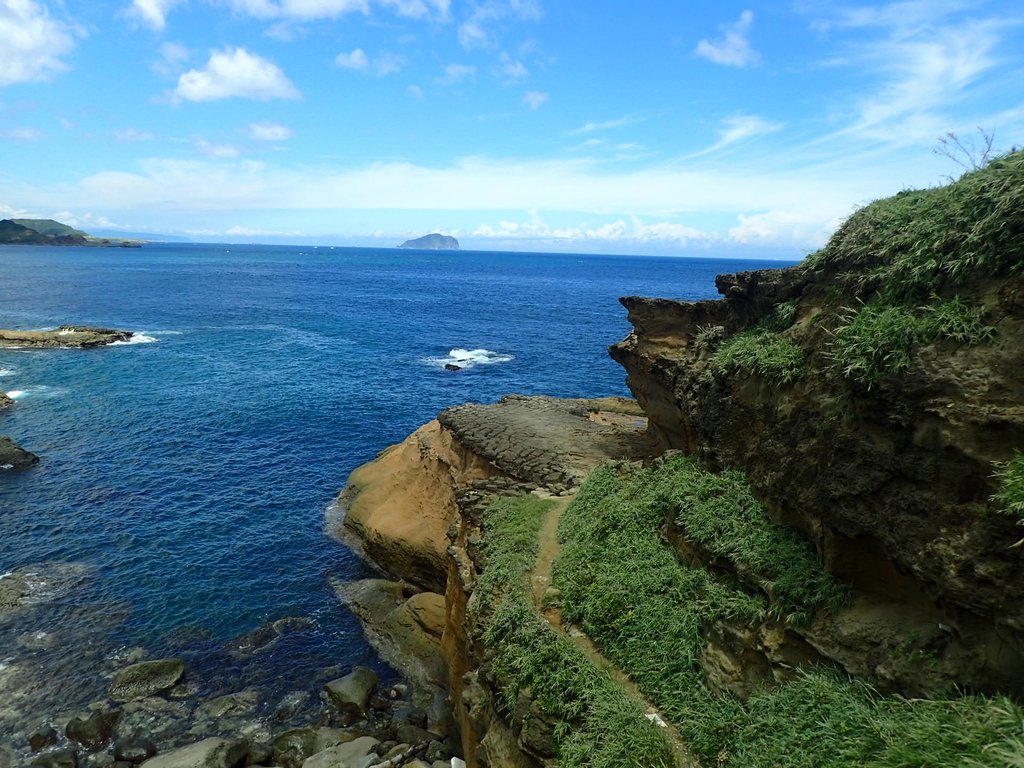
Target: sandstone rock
[14,457]
[208,753]
[347,755]
[350,694]
[146,678]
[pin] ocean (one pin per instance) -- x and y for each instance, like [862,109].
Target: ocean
[181,496]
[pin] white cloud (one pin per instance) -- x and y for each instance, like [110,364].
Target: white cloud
[606,125]
[267,131]
[215,151]
[172,56]
[151,13]
[235,73]
[511,68]
[311,10]
[474,31]
[356,59]
[738,129]
[733,48]
[618,230]
[32,43]
[803,228]
[456,73]
[384,63]
[130,135]
[21,134]
[415,91]
[535,99]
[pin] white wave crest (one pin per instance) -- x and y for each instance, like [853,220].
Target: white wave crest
[6,372]
[16,394]
[137,338]
[468,358]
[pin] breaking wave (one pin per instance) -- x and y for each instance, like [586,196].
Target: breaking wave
[469,358]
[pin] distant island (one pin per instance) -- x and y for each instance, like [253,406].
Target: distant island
[50,232]
[434,242]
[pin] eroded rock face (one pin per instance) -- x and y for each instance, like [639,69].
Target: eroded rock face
[892,483]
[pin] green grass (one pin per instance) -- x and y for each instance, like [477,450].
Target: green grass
[761,352]
[878,339]
[719,513]
[1010,476]
[921,242]
[647,612]
[595,724]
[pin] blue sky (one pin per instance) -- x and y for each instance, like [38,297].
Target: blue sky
[648,127]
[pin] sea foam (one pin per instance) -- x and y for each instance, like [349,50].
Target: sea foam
[468,358]
[137,338]
[6,372]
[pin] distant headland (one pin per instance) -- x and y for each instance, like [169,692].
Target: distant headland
[434,242]
[50,232]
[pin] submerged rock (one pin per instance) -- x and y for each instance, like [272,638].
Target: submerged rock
[146,678]
[93,732]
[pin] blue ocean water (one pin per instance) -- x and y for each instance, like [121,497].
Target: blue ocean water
[187,476]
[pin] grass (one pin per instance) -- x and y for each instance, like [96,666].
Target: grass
[647,612]
[594,723]
[719,513]
[762,350]
[1010,496]
[920,242]
[878,339]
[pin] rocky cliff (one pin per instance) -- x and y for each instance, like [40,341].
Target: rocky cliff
[864,424]
[805,549]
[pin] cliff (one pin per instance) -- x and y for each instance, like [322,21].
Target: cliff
[433,242]
[804,550]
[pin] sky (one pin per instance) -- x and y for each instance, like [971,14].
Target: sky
[676,128]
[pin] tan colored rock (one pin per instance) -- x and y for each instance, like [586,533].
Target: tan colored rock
[401,504]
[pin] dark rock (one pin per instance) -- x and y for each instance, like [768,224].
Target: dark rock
[146,678]
[452,367]
[94,731]
[351,694]
[62,758]
[14,457]
[292,747]
[134,749]
[43,738]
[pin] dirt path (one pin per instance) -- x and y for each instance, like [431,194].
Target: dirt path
[540,582]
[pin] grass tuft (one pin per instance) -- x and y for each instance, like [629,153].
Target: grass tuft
[1011,491]
[761,352]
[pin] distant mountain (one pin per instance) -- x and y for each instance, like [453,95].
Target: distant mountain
[434,242]
[50,227]
[54,233]
[50,232]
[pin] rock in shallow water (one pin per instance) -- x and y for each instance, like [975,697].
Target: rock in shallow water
[146,678]
[14,457]
[94,731]
[351,694]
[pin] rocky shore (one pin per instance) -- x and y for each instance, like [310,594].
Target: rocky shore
[75,336]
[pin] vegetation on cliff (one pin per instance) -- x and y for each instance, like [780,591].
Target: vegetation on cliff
[646,610]
[595,724]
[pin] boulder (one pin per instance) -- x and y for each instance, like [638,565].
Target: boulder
[13,456]
[43,738]
[134,749]
[347,755]
[146,678]
[350,694]
[62,758]
[94,731]
[208,753]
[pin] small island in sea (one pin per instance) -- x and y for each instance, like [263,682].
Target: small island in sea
[50,232]
[433,242]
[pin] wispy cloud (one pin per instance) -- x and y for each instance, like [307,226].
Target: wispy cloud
[733,48]
[476,31]
[21,134]
[132,135]
[267,131]
[604,125]
[235,73]
[456,73]
[215,151]
[33,45]
[535,99]
[737,129]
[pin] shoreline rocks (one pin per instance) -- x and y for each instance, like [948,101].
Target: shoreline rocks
[13,456]
[73,336]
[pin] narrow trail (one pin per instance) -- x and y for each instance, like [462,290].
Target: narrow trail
[540,582]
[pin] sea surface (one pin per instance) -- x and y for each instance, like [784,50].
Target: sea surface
[181,496]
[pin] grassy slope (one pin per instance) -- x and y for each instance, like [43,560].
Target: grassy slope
[646,612]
